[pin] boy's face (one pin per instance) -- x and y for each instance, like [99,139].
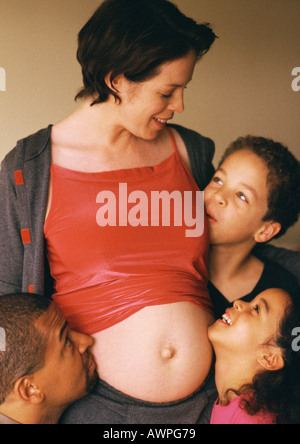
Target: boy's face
[69,372]
[236,199]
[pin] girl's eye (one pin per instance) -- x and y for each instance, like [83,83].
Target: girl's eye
[256,308]
[166,96]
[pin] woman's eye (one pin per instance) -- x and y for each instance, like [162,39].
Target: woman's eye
[256,308]
[166,96]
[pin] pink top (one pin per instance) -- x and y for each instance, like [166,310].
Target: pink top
[233,414]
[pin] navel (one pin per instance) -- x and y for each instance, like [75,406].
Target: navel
[167,353]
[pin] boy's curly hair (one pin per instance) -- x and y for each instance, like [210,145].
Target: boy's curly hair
[283,180]
[25,345]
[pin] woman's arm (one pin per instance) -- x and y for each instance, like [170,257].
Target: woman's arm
[11,246]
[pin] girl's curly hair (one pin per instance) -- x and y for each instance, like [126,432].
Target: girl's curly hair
[278,391]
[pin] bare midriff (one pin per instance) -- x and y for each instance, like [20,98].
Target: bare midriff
[159,354]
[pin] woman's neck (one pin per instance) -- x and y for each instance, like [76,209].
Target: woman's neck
[93,126]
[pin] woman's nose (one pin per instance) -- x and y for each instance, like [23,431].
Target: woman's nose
[177,103]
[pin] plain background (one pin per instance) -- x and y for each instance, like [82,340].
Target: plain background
[242,86]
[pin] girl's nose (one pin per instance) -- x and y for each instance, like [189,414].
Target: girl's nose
[239,305]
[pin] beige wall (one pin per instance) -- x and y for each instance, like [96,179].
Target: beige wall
[242,86]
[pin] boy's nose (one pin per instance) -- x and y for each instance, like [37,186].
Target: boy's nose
[220,198]
[82,341]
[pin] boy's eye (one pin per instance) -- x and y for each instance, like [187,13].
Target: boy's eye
[242,196]
[217,180]
[68,342]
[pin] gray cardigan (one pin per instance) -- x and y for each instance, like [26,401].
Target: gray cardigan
[24,181]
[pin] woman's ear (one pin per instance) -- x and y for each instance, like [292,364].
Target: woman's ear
[116,83]
[267,232]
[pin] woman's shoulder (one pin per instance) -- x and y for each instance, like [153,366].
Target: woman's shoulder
[191,136]
[200,150]
[28,148]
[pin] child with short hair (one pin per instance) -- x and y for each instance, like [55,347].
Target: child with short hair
[253,197]
[257,368]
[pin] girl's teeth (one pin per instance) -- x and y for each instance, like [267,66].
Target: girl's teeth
[160,120]
[227,319]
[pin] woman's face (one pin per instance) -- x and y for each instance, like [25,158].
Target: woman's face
[146,107]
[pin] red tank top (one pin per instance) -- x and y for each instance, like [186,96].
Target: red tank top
[122,240]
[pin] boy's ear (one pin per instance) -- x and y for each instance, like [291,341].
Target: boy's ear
[26,389]
[267,232]
[271,359]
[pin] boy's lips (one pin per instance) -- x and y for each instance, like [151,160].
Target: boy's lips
[211,216]
[90,364]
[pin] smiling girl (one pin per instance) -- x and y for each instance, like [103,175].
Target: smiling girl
[257,370]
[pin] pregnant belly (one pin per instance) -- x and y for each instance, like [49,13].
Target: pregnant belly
[160,354]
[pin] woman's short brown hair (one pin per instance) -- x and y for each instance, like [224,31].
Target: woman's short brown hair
[134,37]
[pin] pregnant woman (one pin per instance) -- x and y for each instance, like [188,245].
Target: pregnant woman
[113,191]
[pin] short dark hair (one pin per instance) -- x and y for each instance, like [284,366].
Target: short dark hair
[283,179]
[134,37]
[25,346]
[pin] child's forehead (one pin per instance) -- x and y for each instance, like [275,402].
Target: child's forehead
[245,166]
[51,321]
[276,298]
[244,155]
